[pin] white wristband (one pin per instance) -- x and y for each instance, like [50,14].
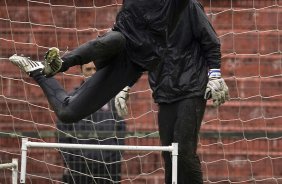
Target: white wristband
[214,73]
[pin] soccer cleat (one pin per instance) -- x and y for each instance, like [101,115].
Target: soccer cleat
[26,64]
[53,62]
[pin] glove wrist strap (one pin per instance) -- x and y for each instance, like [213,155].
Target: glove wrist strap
[214,73]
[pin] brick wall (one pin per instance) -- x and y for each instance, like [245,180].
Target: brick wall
[239,142]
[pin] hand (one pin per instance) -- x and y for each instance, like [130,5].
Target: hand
[217,90]
[120,102]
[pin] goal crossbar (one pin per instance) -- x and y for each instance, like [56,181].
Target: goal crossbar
[28,144]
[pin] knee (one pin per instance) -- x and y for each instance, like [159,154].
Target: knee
[116,39]
[66,116]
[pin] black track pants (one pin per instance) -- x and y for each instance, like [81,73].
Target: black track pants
[98,89]
[180,122]
[103,50]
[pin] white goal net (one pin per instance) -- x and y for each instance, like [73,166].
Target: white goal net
[240,142]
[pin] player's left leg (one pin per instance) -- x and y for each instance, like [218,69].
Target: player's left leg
[166,119]
[187,127]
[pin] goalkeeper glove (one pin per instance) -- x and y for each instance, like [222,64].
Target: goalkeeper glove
[120,101]
[52,63]
[216,89]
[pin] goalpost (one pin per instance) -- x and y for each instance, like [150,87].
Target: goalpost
[14,166]
[239,143]
[27,144]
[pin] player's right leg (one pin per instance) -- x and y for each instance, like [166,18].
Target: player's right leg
[54,92]
[91,96]
[166,119]
[26,64]
[53,62]
[101,50]
[47,68]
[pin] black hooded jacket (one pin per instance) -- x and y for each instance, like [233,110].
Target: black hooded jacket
[146,24]
[193,48]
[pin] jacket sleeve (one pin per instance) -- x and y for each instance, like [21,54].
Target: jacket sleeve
[205,34]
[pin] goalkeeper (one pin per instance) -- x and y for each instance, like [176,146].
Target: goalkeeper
[189,75]
[135,44]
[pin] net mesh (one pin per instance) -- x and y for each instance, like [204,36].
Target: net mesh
[240,142]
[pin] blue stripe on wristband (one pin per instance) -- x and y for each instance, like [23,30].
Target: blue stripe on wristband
[214,73]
